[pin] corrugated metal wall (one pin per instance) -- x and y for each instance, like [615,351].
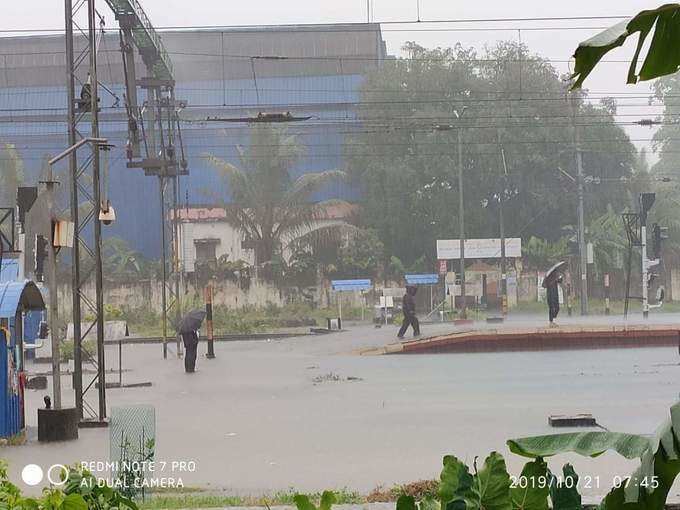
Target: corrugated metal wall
[10,390]
[32,118]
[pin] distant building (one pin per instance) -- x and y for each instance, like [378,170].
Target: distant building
[225,73]
[205,234]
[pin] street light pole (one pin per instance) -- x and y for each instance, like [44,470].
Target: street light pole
[461,219]
[583,256]
[501,221]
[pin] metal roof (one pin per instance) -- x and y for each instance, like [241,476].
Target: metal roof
[19,296]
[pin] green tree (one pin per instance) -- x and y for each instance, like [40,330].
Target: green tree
[407,165]
[361,256]
[270,206]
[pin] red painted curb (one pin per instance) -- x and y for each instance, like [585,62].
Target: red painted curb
[539,340]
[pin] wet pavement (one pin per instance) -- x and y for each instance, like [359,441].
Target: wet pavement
[308,413]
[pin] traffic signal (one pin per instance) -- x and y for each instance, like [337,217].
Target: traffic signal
[646,203]
[659,235]
[40,253]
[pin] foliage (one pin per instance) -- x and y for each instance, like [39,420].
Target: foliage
[80,492]
[133,459]
[409,173]
[648,487]
[11,174]
[97,496]
[237,271]
[267,204]
[122,263]
[361,257]
[302,502]
[662,57]
[541,254]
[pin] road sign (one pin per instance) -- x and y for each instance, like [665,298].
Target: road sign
[422,279]
[442,267]
[348,285]
[449,249]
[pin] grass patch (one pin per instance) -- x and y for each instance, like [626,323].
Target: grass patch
[180,500]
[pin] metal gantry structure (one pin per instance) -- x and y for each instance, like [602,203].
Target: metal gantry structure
[85,203]
[161,141]
[155,138]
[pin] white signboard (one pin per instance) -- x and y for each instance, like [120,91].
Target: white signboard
[479,248]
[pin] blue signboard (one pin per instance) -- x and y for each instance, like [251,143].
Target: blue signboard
[344,285]
[422,279]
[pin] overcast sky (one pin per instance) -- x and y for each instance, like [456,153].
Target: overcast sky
[555,43]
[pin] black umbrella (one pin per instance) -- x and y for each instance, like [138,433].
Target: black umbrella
[191,321]
[553,273]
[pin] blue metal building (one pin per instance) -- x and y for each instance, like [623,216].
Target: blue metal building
[318,71]
[16,299]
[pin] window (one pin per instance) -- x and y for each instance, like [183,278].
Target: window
[205,249]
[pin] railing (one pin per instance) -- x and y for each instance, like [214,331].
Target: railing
[145,36]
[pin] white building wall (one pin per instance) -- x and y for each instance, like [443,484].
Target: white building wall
[229,242]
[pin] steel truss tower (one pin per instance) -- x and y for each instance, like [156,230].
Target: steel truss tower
[85,200]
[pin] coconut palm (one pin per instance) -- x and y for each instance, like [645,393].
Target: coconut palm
[266,203]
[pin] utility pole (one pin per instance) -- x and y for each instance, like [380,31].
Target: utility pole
[645,267]
[461,218]
[54,306]
[646,202]
[501,221]
[583,255]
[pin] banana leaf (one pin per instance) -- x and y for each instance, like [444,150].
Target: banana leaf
[662,56]
[588,444]
[648,487]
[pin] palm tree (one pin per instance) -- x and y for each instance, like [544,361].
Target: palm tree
[269,205]
[11,174]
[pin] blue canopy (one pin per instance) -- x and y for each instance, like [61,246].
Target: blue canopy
[15,296]
[344,285]
[9,271]
[422,279]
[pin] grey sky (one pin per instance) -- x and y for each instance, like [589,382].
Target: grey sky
[554,44]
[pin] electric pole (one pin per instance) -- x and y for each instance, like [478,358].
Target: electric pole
[54,306]
[461,219]
[501,221]
[583,255]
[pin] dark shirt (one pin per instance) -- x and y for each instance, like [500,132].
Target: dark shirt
[552,294]
[408,305]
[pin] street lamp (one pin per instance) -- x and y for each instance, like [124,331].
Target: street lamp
[461,206]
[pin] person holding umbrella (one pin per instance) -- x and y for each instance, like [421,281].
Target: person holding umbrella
[409,310]
[188,329]
[551,282]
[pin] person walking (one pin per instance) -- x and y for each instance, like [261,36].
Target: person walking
[408,308]
[190,340]
[552,295]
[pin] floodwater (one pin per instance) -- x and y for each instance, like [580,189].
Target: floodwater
[266,415]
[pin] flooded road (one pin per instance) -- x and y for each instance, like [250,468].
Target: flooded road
[309,414]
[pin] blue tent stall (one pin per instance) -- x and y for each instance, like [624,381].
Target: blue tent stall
[16,300]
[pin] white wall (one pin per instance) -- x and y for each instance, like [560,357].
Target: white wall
[229,242]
